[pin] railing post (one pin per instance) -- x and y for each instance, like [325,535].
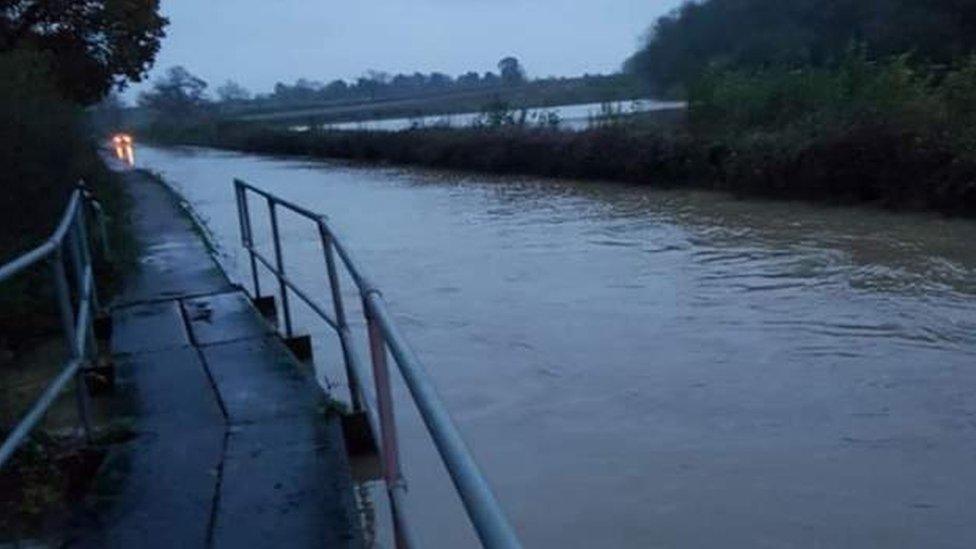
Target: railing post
[384,398]
[340,313]
[81,261]
[68,325]
[87,255]
[247,237]
[389,450]
[88,198]
[280,263]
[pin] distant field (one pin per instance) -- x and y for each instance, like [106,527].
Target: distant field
[527,96]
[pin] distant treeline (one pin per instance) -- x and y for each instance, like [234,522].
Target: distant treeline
[377,84]
[380,86]
[741,34]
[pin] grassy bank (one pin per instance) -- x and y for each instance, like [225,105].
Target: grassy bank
[883,133]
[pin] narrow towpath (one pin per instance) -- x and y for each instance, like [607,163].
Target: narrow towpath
[235,446]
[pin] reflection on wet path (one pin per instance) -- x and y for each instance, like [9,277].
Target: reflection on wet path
[640,368]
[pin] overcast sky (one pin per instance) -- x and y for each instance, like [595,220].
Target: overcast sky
[260,42]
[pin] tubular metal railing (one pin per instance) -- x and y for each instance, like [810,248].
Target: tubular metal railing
[492,527]
[68,244]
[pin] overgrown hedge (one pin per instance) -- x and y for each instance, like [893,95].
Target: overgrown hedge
[45,150]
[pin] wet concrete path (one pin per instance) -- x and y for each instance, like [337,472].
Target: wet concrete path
[235,445]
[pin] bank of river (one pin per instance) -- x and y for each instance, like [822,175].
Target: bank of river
[636,367]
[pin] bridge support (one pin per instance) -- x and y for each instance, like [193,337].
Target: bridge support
[300,346]
[265,305]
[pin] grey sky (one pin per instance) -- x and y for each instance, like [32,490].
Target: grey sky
[260,42]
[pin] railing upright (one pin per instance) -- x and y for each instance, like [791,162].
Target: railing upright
[280,264]
[247,238]
[335,287]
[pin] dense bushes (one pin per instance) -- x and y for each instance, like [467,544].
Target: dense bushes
[755,34]
[44,152]
[880,131]
[615,152]
[41,150]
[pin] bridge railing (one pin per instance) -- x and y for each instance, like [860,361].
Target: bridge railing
[384,337]
[77,302]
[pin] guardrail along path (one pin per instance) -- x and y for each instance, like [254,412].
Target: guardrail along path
[235,446]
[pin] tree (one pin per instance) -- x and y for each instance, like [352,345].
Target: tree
[336,89]
[511,71]
[179,94]
[439,80]
[232,92]
[490,79]
[754,34]
[469,79]
[95,45]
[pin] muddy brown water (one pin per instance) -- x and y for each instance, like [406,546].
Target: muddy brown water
[637,368]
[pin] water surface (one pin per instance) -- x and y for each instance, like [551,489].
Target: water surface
[643,368]
[568,117]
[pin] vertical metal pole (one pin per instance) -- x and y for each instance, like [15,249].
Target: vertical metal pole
[340,313]
[384,398]
[280,263]
[249,242]
[68,325]
[81,261]
[390,453]
[87,255]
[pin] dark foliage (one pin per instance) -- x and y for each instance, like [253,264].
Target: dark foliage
[93,45]
[44,152]
[795,33]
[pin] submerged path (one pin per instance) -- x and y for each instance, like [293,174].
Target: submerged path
[235,444]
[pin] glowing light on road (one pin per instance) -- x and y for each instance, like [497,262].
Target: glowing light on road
[124,148]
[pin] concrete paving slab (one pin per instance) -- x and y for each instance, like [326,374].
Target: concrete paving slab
[170,388]
[222,318]
[174,260]
[154,492]
[148,327]
[257,379]
[286,484]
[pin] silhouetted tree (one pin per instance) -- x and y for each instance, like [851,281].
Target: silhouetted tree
[232,92]
[762,33]
[511,71]
[490,79]
[179,94]
[94,45]
[469,79]
[440,80]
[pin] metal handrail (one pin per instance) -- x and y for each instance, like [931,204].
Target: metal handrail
[77,315]
[492,526]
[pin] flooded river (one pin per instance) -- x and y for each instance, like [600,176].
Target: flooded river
[641,368]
